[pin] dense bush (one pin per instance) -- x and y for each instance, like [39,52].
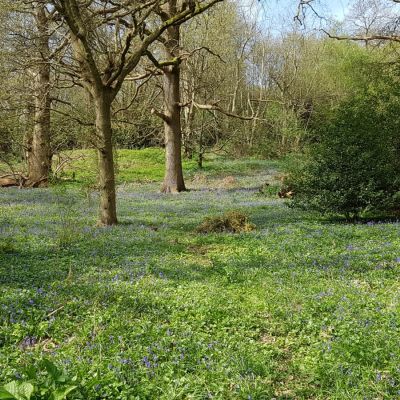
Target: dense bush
[355,166]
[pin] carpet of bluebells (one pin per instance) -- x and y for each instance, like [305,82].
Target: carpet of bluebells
[300,308]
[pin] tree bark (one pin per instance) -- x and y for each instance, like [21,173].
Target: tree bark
[108,207]
[173,179]
[39,154]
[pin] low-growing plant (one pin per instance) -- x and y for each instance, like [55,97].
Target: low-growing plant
[47,383]
[298,309]
[231,221]
[67,232]
[269,190]
[7,245]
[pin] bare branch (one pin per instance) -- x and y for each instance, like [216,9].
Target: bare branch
[393,38]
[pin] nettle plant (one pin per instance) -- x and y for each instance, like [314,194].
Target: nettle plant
[49,382]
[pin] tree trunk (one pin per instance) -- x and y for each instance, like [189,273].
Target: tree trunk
[173,179]
[188,97]
[108,207]
[39,153]
[200,158]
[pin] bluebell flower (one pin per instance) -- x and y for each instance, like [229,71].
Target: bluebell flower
[28,341]
[146,362]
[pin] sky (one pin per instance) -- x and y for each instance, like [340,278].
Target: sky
[331,8]
[275,14]
[339,8]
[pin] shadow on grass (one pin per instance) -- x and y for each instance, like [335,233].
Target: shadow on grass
[337,219]
[27,267]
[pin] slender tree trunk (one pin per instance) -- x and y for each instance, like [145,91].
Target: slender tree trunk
[188,97]
[173,179]
[39,154]
[108,207]
[200,157]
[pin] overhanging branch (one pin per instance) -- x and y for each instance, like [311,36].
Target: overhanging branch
[364,38]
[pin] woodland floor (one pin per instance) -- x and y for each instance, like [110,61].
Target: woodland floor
[300,308]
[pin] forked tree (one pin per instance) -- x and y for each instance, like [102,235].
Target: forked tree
[109,39]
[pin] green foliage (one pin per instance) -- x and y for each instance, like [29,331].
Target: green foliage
[145,165]
[269,189]
[49,384]
[6,245]
[297,309]
[230,221]
[355,166]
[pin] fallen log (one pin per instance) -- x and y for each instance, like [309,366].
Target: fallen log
[19,180]
[8,182]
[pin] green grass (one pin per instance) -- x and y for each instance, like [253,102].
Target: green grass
[147,165]
[300,308]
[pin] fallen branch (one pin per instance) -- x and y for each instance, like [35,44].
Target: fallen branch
[12,179]
[16,179]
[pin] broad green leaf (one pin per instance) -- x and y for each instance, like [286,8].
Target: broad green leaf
[12,388]
[31,372]
[62,378]
[19,390]
[61,394]
[52,369]
[5,394]
[25,389]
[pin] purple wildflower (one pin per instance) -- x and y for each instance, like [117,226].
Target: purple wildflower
[146,362]
[28,341]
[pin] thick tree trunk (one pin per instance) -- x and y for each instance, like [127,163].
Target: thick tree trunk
[173,179]
[39,152]
[108,208]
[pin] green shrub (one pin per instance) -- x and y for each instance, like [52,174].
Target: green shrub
[269,190]
[7,245]
[231,221]
[355,166]
[50,383]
